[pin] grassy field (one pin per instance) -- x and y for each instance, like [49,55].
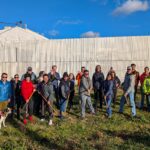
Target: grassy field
[94,133]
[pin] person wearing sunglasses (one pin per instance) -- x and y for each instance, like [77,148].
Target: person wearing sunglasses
[84,91]
[5,92]
[128,91]
[16,94]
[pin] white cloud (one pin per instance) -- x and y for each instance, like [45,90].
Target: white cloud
[53,32]
[90,34]
[131,6]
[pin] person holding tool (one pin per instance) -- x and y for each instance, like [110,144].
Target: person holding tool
[47,93]
[27,91]
[85,93]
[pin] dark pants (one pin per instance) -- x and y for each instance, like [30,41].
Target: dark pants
[36,103]
[114,96]
[99,96]
[48,108]
[70,103]
[18,104]
[28,108]
[56,90]
[148,102]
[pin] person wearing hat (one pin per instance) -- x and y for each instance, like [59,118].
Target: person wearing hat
[27,90]
[54,77]
[33,76]
[64,91]
[128,91]
[85,93]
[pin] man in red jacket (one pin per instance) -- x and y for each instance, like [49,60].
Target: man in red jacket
[27,90]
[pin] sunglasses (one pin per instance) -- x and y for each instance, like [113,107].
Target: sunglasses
[4,77]
[16,77]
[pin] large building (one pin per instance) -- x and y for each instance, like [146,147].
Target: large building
[20,48]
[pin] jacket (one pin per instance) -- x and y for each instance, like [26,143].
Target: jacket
[5,91]
[98,80]
[129,83]
[108,87]
[85,85]
[47,90]
[146,85]
[64,89]
[137,77]
[142,78]
[26,89]
[72,85]
[78,78]
[115,82]
[54,79]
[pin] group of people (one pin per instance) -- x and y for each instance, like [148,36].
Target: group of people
[38,95]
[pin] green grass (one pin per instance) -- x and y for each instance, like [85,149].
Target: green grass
[94,133]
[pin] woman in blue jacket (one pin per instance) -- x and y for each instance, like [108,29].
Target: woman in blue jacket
[108,93]
[5,92]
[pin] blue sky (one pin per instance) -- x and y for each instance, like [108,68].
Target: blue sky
[79,18]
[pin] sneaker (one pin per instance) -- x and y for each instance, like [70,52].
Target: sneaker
[50,122]
[42,119]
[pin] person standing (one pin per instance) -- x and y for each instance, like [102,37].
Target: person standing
[72,90]
[64,92]
[128,90]
[32,74]
[98,81]
[116,84]
[108,93]
[54,77]
[143,76]
[79,75]
[47,92]
[16,98]
[146,91]
[27,90]
[137,79]
[5,92]
[85,93]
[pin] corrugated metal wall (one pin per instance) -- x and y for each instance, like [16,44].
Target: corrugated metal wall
[70,54]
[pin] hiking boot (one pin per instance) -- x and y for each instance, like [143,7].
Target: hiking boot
[50,122]
[24,121]
[30,118]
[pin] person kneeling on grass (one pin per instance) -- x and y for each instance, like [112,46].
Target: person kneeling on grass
[128,89]
[27,90]
[84,91]
[146,90]
[64,91]
[47,93]
[108,93]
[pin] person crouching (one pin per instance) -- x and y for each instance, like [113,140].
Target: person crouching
[64,91]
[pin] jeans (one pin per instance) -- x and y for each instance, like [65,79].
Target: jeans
[63,104]
[132,103]
[84,99]
[109,109]
[148,102]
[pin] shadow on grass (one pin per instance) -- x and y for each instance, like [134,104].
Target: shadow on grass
[46,143]
[135,137]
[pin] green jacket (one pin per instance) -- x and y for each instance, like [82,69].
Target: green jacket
[146,85]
